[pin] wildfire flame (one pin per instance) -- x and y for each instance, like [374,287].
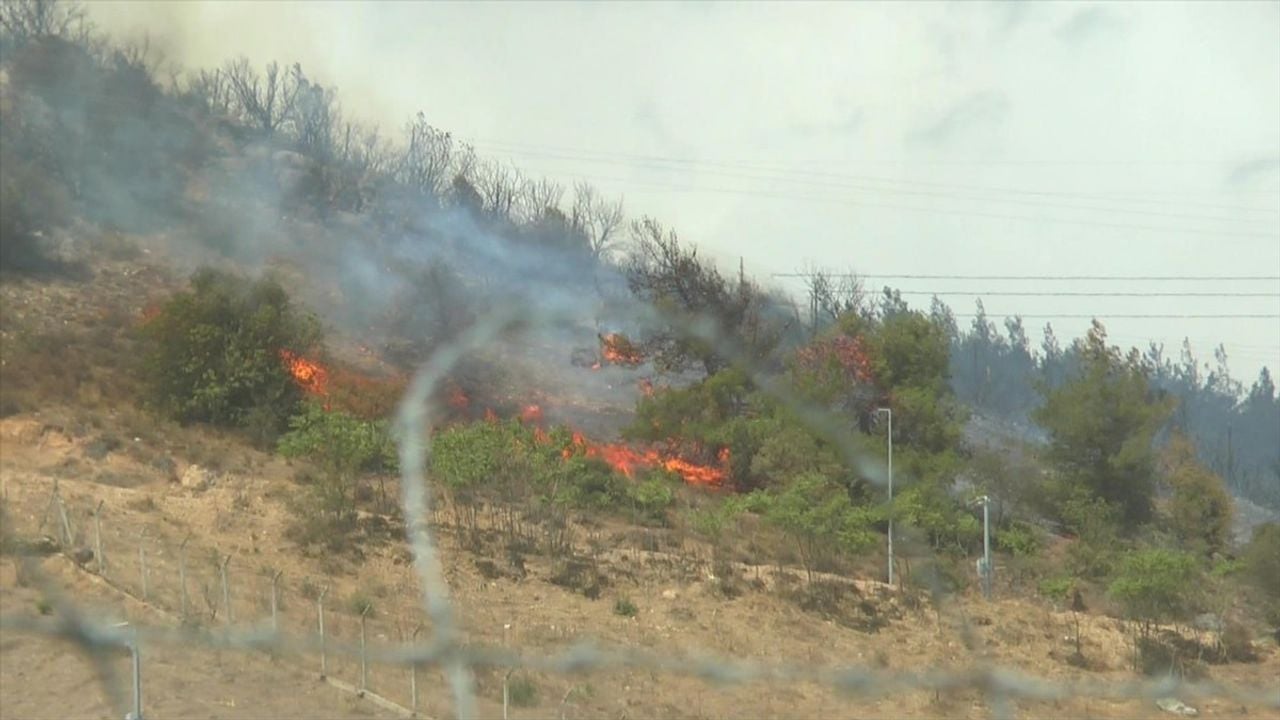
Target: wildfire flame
[458,399]
[310,375]
[616,349]
[150,312]
[628,460]
[531,414]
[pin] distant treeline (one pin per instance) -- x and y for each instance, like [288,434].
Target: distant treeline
[1236,430]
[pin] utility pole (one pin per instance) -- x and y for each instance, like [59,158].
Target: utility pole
[986,546]
[889,412]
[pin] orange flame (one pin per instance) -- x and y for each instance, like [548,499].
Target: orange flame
[695,474]
[311,376]
[628,460]
[458,399]
[616,349]
[150,312]
[531,414]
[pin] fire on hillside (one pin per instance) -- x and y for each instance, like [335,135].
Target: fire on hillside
[614,349]
[317,380]
[311,376]
[627,460]
[354,392]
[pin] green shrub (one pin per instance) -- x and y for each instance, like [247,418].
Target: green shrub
[1019,540]
[1224,567]
[1155,586]
[1261,558]
[1200,508]
[361,603]
[927,507]
[651,498]
[819,517]
[214,353]
[522,691]
[624,607]
[1057,589]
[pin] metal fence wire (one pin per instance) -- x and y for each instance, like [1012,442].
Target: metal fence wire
[214,600]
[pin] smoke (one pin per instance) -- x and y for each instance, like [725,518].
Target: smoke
[182,166]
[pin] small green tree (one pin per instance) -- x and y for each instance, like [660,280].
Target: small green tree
[343,447]
[1201,508]
[1262,567]
[820,518]
[651,497]
[1155,586]
[214,353]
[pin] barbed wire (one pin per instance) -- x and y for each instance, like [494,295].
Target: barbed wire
[97,637]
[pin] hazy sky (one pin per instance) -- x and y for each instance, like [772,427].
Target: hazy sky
[898,138]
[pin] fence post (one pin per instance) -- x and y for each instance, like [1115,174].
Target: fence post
[136,661]
[413,674]
[275,582]
[324,665]
[68,539]
[182,573]
[97,539]
[53,499]
[226,589]
[142,562]
[506,676]
[137,677]
[364,656]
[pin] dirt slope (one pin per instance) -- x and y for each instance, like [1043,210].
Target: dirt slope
[679,612]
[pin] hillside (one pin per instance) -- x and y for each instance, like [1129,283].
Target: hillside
[214,307]
[679,610]
[684,603]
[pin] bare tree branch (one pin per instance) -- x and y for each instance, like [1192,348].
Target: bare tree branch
[596,219]
[499,187]
[27,20]
[538,198]
[264,101]
[427,162]
[315,118]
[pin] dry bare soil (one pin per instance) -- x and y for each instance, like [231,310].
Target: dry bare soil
[679,613]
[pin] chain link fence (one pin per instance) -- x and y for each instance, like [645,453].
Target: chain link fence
[196,595]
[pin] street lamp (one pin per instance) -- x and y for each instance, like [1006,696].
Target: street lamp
[889,413]
[985,569]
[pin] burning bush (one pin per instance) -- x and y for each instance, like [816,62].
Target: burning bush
[512,462]
[217,353]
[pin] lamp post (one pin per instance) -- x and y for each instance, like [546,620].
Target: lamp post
[889,413]
[985,564]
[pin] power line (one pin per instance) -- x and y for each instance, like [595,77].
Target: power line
[529,150]
[1109,316]
[869,186]
[1121,278]
[1092,294]
[931,210]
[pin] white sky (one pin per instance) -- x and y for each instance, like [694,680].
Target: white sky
[896,138]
